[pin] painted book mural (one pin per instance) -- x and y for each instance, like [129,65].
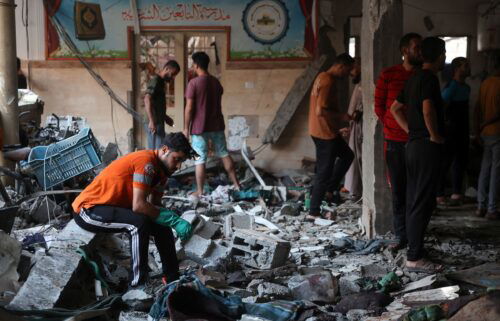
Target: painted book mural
[259,29]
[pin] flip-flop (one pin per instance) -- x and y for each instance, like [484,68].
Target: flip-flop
[428,267]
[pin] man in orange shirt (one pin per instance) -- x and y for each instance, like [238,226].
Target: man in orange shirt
[488,128]
[325,123]
[124,198]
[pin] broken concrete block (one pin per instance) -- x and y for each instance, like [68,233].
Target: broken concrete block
[197,248]
[138,300]
[359,314]
[374,271]
[44,208]
[133,316]
[208,230]
[322,222]
[247,317]
[217,252]
[348,285]
[290,209]
[10,255]
[211,278]
[273,291]
[252,286]
[62,258]
[259,250]
[238,221]
[320,287]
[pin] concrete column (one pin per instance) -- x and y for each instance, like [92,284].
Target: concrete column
[8,74]
[382,25]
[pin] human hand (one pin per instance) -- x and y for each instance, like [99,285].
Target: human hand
[344,131]
[152,127]
[183,229]
[437,139]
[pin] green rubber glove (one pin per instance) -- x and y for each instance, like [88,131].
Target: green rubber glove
[170,219]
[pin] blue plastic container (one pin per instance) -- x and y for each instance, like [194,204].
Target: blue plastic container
[63,160]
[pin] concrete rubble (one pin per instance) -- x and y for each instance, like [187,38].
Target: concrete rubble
[260,249]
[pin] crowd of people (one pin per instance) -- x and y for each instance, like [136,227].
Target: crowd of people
[426,133]
[426,137]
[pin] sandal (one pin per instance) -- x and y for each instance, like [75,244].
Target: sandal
[427,267]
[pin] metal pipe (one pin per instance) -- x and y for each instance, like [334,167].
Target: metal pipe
[8,74]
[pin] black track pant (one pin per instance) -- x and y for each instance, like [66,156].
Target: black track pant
[329,172]
[456,155]
[423,163]
[110,219]
[395,157]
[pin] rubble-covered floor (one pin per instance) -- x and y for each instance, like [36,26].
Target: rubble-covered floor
[266,251]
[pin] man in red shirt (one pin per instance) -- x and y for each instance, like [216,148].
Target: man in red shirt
[389,84]
[126,197]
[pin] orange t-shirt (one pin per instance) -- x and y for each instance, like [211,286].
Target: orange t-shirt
[489,102]
[114,185]
[324,96]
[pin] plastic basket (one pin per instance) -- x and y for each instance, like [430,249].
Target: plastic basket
[63,160]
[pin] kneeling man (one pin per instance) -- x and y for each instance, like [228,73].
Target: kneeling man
[126,197]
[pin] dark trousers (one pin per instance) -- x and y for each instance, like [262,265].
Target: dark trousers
[455,156]
[423,163]
[329,170]
[395,157]
[111,219]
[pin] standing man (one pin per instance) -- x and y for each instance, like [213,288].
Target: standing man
[424,121]
[390,83]
[353,182]
[204,122]
[325,121]
[156,104]
[456,98]
[126,197]
[488,128]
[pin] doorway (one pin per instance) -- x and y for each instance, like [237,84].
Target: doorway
[153,48]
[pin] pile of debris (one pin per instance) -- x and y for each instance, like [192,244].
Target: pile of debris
[253,256]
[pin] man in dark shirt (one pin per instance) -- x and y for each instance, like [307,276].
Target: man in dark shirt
[22,83]
[424,122]
[156,104]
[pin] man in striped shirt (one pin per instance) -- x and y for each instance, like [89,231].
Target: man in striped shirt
[390,83]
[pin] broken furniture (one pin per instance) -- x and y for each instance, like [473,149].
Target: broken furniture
[58,162]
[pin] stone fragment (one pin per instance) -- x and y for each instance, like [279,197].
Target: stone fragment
[348,285]
[359,314]
[374,271]
[323,222]
[42,279]
[10,255]
[321,287]
[247,317]
[273,291]
[238,221]
[138,300]
[197,248]
[211,278]
[208,230]
[133,316]
[259,250]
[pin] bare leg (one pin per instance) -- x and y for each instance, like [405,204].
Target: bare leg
[229,167]
[200,179]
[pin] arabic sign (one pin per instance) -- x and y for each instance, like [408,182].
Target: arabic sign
[117,16]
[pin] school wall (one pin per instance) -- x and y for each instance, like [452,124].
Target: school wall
[67,88]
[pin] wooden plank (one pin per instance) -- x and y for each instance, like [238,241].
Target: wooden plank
[296,95]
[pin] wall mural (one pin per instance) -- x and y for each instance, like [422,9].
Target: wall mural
[259,29]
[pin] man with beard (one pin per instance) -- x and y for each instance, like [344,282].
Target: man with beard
[353,181]
[391,81]
[423,120]
[126,197]
[325,123]
[156,104]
